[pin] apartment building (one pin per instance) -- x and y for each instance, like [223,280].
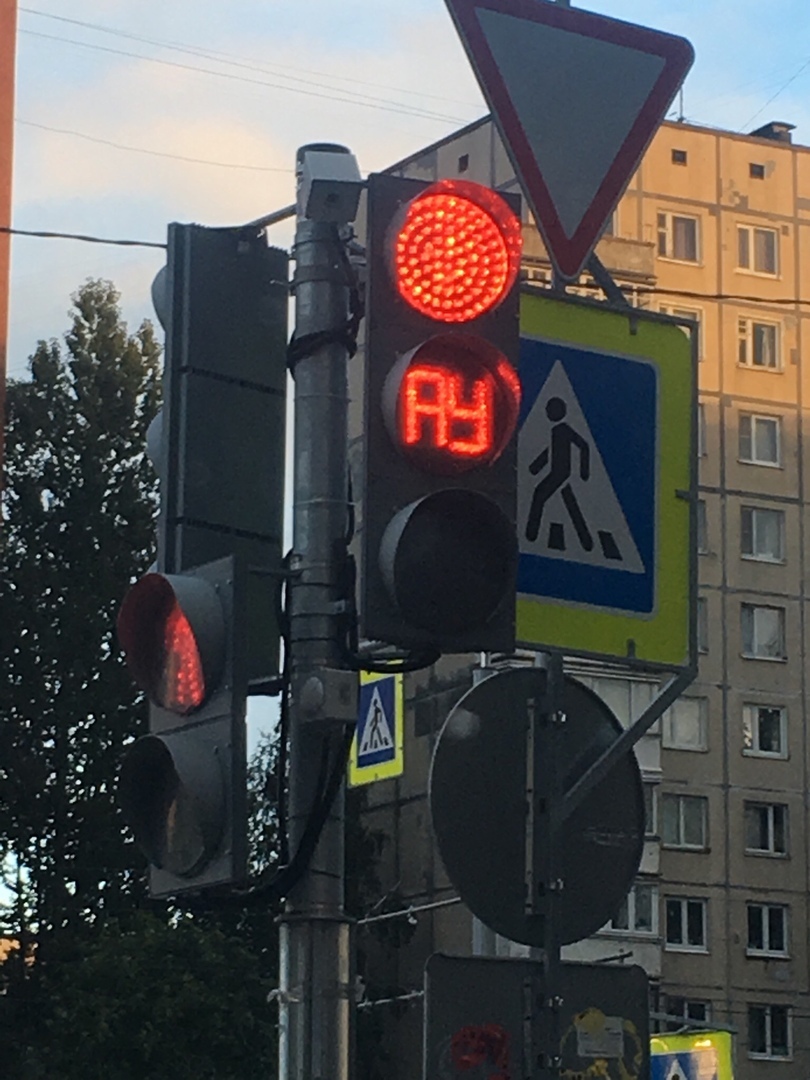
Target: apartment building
[714,226]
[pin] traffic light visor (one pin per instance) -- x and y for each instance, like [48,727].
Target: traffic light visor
[455,251]
[172,631]
[452,403]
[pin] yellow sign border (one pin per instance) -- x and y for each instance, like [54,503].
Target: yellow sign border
[698,1043]
[385,770]
[665,638]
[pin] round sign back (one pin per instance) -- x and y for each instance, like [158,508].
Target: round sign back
[478,801]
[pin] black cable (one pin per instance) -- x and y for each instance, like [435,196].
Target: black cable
[284,717]
[79,236]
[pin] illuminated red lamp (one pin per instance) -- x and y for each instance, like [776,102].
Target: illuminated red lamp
[172,631]
[455,253]
[452,403]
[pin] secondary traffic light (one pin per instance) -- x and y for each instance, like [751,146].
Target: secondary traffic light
[182,786]
[202,632]
[442,397]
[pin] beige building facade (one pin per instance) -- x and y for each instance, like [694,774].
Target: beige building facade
[714,226]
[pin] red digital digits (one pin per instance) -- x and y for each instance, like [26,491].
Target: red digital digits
[482,1044]
[440,412]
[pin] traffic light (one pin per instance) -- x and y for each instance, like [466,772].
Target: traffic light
[442,396]
[201,632]
[182,786]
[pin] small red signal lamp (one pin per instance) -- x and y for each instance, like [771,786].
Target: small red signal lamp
[455,251]
[172,631]
[452,403]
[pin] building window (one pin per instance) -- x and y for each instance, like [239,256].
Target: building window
[769,1031]
[686,924]
[610,226]
[765,731]
[762,534]
[639,911]
[678,237]
[763,632]
[757,249]
[755,171]
[685,313]
[463,163]
[650,808]
[702,625]
[678,157]
[767,930]
[684,1012]
[684,724]
[683,821]
[702,528]
[766,828]
[759,439]
[758,344]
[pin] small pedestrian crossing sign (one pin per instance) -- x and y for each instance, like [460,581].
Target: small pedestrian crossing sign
[377,749]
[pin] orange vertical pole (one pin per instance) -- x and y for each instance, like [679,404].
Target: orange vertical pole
[8,49]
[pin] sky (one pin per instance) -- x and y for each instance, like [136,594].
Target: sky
[131,114]
[114,97]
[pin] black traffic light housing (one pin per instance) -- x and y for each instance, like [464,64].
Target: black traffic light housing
[202,632]
[438,536]
[183,786]
[222,446]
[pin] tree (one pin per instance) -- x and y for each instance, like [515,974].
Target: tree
[78,511]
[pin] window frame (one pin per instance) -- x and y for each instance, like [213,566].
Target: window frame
[667,727]
[684,902]
[684,1012]
[629,903]
[746,342]
[771,851]
[755,418]
[752,725]
[751,654]
[667,230]
[764,914]
[702,627]
[750,232]
[754,555]
[702,527]
[680,844]
[768,1054]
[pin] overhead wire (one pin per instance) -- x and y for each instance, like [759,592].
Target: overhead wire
[234,59]
[152,153]
[327,93]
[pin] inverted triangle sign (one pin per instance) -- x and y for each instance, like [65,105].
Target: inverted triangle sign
[577,98]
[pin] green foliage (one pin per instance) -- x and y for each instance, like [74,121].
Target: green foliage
[78,512]
[145,999]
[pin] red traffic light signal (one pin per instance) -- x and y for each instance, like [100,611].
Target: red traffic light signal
[172,630]
[442,397]
[452,403]
[455,251]
[182,786]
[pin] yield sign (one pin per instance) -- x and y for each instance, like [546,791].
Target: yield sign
[577,97]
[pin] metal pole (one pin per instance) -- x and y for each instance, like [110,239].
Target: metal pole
[544,838]
[315,973]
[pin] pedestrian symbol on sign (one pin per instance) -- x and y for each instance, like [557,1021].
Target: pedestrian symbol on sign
[377,733]
[573,512]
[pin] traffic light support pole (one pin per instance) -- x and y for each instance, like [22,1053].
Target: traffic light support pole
[315,970]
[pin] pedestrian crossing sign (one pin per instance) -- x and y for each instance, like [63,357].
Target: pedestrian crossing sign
[377,748]
[703,1055]
[606,482]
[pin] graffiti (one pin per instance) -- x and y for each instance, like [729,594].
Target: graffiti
[583,1038]
[484,1047]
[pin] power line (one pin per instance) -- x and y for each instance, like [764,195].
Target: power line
[369,102]
[784,86]
[233,58]
[47,235]
[152,153]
